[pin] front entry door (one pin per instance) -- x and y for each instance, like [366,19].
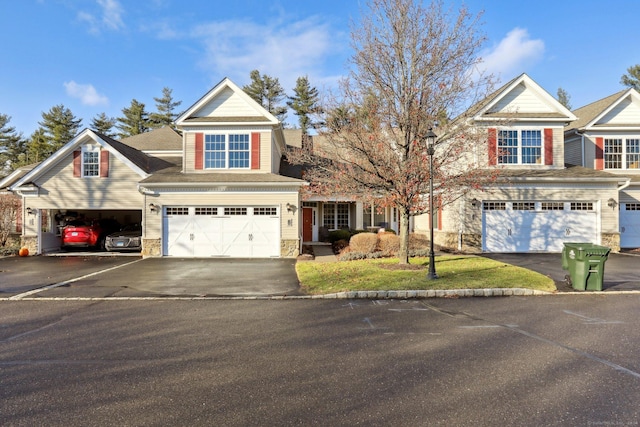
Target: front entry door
[307,224]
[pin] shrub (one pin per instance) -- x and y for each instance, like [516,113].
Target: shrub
[388,243]
[336,235]
[418,241]
[339,246]
[354,256]
[364,242]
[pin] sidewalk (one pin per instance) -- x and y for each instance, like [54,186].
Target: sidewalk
[324,253]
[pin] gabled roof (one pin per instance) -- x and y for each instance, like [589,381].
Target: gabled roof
[162,139]
[618,111]
[520,99]
[226,103]
[14,176]
[139,162]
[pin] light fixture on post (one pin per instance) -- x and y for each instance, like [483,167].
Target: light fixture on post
[153,208]
[612,203]
[430,139]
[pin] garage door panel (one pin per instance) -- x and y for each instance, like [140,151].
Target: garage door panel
[630,225]
[536,231]
[238,234]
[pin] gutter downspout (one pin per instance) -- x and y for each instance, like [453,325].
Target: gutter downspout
[625,185]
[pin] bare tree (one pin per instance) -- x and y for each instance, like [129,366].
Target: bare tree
[414,66]
[9,206]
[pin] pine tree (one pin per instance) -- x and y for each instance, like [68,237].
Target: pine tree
[268,92]
[564,98]
[38,147]
[305,103]
[60,126]
[164,116]
[12,145]
[103,124]
[632,78]
[135,120]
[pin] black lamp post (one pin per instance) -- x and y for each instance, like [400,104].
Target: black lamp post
[430,138]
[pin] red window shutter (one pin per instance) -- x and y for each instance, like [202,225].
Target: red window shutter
[548,146]
[255,151]
[104,164]
[493,146]
[199,150]
[599,153]
[77,163]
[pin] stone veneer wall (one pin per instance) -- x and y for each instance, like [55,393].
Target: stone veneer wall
[611,240]
[31,243]
[289,248]
[151,248]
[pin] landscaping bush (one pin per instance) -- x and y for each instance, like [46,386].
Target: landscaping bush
[388,243]
[418,241]
[354,256]
[336,235]
[364,242]
[339,246]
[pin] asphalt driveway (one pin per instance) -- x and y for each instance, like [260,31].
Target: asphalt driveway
[621,271]
[94,277]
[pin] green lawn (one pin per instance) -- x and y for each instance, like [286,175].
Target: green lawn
[454,271]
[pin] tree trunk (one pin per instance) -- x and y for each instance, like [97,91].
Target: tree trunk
[403,252]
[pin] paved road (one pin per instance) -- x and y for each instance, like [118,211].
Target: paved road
[553,361]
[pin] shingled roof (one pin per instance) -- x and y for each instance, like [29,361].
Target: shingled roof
[164,138]
[589,112]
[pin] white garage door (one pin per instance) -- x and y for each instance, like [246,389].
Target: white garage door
[239,232]
[537,226]
[630,225]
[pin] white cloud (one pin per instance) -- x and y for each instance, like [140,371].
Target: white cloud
[513,54]
[110,16]
[86,93]
[282,49]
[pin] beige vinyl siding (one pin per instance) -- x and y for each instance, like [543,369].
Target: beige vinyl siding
[153,225]
[228,104]
[626,112]
[521,100]
[59,189]
[266,149]
[558,146]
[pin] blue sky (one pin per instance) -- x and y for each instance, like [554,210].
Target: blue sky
[95,56]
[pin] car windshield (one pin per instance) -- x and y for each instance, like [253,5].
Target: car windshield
[132,227]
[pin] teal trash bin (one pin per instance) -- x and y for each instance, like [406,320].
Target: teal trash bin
[585,263]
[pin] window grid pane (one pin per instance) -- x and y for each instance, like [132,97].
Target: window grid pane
[613,154]
[177,211]
[235,211]
[494,206]
[508,146]
[531,146]
[632,207]
[524,206]
[265,211]
[206,211]
[552,206]
[633,153]
[343,216]
[328,215]
[581,206]
[91,163]
[214,152]
[239,151]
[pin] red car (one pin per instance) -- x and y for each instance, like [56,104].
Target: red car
[86,233]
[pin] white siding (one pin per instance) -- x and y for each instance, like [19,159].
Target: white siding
[228,104]
[626,112]
[522,100]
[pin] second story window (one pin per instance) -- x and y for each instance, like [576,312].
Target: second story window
[90,162]
[519,147]
[226,151]
[621,153]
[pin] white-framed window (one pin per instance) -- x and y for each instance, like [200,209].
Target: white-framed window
[90,161]
[335,215]
[622,153]
[519,146]
[227,151]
